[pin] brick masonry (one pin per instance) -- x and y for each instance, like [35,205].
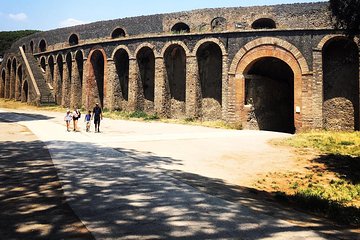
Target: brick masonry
[301,33]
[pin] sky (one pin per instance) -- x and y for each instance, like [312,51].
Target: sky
[49,14]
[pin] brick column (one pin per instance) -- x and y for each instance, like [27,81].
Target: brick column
[7,83]
[307,102]
[160,90]
[114,100]
[12,82]
[317,90]
[65,93]
[133,85]
[75,88]
[192,87]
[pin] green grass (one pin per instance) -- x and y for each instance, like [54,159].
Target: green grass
[327,142]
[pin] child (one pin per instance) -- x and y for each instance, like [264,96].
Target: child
[87,120]
[68,118]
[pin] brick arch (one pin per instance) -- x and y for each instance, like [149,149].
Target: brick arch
[213,40]
[79,50]
[180,43]
[58,55]
[237,82]
[149,45]
[90,78]
[123,47]
[328,38]
[273,42]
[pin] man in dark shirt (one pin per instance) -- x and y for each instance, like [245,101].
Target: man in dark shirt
[97,115]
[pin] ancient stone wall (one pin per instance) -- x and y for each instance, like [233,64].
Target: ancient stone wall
[202,64]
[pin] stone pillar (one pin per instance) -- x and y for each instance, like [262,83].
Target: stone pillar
[12,82]
[307,102]
[317,90]
[160,87]
[65,100]
[192,87]
[86,101]
[7,83]
[2,85]
[75,86]
[224,88]
[133,85]
[114,100]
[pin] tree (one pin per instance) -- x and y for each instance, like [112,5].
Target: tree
[347,15]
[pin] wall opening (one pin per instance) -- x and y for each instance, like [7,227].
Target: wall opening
[269,94]
[3,77]
[218,24]
[180,28]
[24,48]
[118,33]
[25,92]
[13,79]
[263,23]
[32,46]
[79,58]
[52,69]
[146,63]
[341,85]
[76,88]
[209,58]
[175,63]
[7,82]
[73,40]
[43,65]
[42,46]
[97,79]
[121,59]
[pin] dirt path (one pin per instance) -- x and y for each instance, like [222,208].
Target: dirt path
[32,205]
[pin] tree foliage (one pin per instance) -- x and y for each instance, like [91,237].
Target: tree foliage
[347,15]
[8,38]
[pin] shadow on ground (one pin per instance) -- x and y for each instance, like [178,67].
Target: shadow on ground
[32,205]
[124,193]
[17,117]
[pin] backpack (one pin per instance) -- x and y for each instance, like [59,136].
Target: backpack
[79,113]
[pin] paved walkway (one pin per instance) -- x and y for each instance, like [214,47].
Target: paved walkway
[140,180]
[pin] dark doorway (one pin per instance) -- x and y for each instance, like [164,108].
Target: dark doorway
[146,63]
[25,94]
[121,59]
[60,76]
[175,62]
[52,69]
[269,91]
[97,62]
[341,85]
[209,57]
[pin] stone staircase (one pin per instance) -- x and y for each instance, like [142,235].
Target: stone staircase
[46,94]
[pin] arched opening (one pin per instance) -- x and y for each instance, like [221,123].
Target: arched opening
[59,78]
[32,46]
[52,70]
[175,63]
[43,65]
[96,80]
[8,79]
[146,62]
[341,85]
[209,58]
[25,92]
[180,28]
[24,48]
[218,24]
[73,40]
[67,81]
[19,83]
[118,33]
[13,79]
[263,23]
[78,83]
[42,45]
[269,94]
[121,90]
[3,77]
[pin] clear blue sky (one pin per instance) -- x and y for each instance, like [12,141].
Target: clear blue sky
[50,14]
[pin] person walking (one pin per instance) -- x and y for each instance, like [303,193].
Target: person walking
[76,115]
[68,117]
[87,120]
[97,115]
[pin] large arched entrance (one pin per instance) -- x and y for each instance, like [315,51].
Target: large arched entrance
[146,63]
[59,79]
[13,79]
[121,86]
[76,87]
[269,94]
[19,81]
[209,59]
[95,81]
[25,92]
[175,65]
[3,76]
[341,85]
[67,81]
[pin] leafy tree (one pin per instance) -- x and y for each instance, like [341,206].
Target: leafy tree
[8,38]
[347,15]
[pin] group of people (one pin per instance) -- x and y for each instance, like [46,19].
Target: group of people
[74,116]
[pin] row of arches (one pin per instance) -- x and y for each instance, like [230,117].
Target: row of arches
[268,80]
